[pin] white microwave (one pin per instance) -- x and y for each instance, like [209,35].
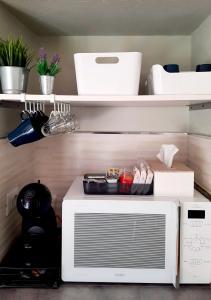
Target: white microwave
[118,239]
[135,239]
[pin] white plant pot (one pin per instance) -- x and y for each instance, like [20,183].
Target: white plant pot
[13,79]
[46,84]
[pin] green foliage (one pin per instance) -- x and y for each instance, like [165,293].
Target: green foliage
[42,67]
[42,64]
[53,69]
[14,53]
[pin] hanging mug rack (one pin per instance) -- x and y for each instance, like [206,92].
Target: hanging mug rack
[32,106]
[61,120]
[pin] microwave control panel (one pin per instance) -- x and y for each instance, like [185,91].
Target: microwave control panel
[195,243]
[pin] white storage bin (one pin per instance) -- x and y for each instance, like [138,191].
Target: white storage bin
[160,82]
[108,73]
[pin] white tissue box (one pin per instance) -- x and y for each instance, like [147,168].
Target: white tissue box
[175,181]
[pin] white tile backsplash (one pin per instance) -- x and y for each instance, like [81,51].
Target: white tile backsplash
[16,170]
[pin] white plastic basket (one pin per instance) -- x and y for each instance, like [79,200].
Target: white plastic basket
[160,82]
[108,73]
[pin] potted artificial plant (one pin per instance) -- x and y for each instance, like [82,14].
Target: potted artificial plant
[15,58]
[47,71]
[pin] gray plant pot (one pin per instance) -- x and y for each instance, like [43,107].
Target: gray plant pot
[13,79]
[46,84]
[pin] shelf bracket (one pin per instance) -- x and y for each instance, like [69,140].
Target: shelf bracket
[23,97]
[199,106]
[52,98]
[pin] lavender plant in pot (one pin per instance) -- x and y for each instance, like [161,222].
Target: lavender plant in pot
[47,71]
[15,58]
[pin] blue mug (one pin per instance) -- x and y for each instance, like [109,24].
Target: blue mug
[171,68]
[29,130]
[203,68]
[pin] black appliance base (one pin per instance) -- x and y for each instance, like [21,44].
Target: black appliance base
[45,273]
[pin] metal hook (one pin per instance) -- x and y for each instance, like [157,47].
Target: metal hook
[26,105]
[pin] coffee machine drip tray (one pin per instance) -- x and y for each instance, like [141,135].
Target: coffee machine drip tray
[24,267]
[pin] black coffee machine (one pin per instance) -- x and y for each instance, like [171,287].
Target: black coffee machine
[39,228]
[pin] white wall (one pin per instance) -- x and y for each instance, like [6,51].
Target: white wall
[200,43]
[200,122]
[153,119]
[201,53]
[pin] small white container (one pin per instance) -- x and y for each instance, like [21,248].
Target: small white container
[160,82]
[108,73]
[177,181]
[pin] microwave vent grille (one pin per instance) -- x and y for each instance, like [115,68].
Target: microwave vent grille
[119,240]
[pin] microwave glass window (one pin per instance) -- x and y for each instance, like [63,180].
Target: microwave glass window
[196,214]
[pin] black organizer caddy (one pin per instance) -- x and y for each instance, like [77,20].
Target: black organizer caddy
[105,188]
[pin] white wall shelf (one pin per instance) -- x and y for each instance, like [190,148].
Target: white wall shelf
[115,101]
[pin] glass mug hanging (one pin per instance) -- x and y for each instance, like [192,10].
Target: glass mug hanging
[61,120]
